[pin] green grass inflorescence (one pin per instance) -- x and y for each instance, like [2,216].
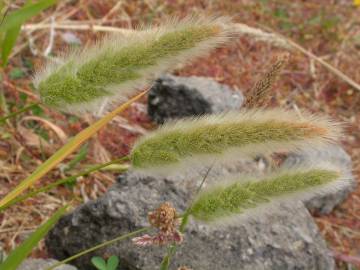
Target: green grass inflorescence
[172,146]
[238,197]
[73,84]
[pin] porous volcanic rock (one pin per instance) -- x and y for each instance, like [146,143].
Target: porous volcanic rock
[174,97]
[286,238]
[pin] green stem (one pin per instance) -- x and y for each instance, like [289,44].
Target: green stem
[63,181]
[184,221]
[2,119]
[120,238]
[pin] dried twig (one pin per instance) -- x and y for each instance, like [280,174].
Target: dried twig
[51,38]
[62,16]
[80,27]
[18,89]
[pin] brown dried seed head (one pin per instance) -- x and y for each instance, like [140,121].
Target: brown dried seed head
[163,218]
[259,95]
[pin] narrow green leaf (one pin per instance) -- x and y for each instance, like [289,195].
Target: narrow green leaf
[9,42]
[81,155]
[8,38]
[3,10]
[20,253]
[112,263]
[99,263]
[2,35]
[166,261]
[23,14]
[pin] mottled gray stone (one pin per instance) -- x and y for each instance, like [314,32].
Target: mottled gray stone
[176,97]
[41,264]
[333,154]
[287,238]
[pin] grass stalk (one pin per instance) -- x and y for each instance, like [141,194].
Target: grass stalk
[184,221]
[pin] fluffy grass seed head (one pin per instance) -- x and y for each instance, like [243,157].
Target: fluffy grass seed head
[198,141]
[118,65]
[247,197]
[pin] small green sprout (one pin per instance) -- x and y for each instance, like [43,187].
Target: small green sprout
[111,264]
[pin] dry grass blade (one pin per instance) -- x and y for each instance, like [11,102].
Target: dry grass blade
[57,130]
[80,27]
[22,251]
[67,149]
[260,94]
[30,138]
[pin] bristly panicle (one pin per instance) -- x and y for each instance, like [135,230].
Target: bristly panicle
[245,196]
[197,141]
[119,65]
[260,94]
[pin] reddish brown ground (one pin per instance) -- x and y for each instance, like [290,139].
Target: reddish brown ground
[329,29]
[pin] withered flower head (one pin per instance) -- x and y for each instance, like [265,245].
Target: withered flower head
[165,219]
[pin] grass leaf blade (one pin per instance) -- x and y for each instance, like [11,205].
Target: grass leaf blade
[23,14]
[21,252]
[8,43]
[64,151]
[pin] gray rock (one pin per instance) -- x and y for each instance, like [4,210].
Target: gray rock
[334,154]
[41,264]
[285,239]
[176,97]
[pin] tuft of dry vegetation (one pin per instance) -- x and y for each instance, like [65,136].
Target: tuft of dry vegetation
[328,29]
